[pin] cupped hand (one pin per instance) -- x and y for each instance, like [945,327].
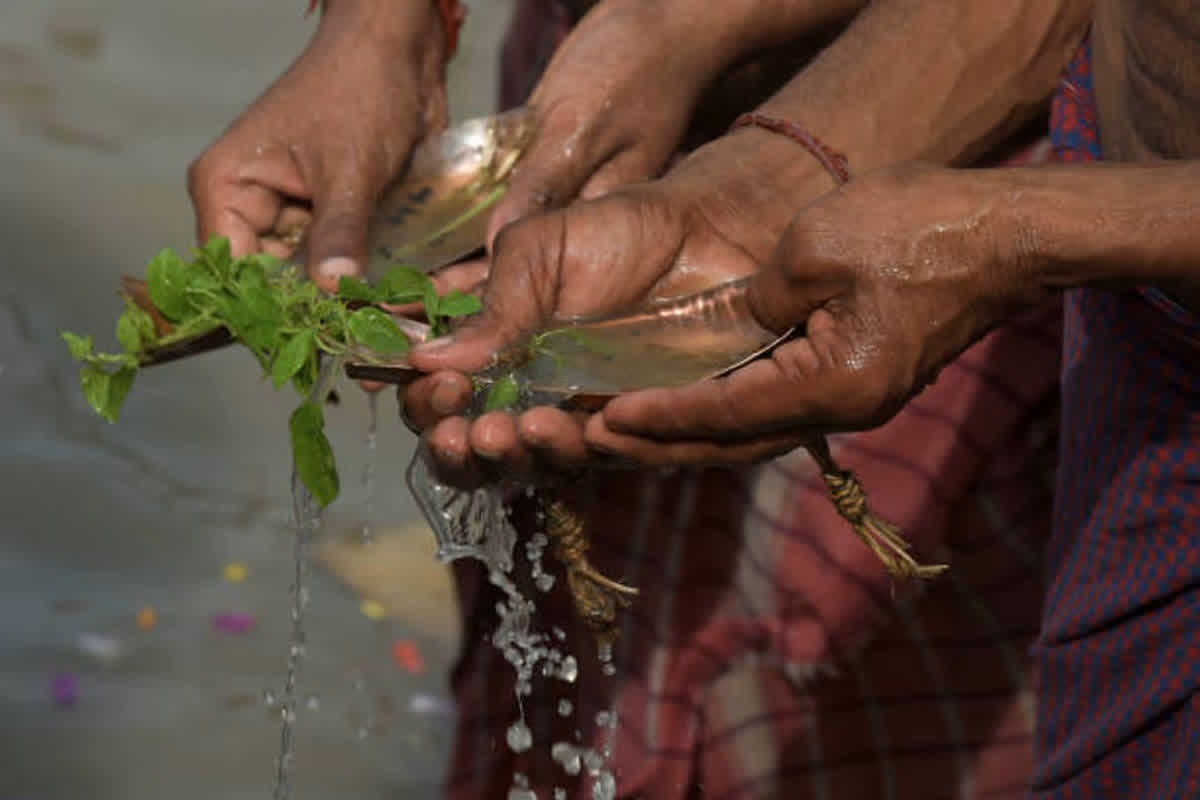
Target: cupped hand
[889,278]
[318,148]
[593,257]
[717,215]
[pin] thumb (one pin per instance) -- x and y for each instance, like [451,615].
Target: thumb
[791,285]
[549,175]
[518,298]
[337,239]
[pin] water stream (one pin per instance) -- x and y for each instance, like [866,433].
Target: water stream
[306,517]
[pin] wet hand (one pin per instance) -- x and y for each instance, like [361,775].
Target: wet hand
[317,150]
[615,100]
[594,257]
[887,279]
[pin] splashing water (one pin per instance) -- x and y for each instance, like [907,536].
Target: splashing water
[476,524]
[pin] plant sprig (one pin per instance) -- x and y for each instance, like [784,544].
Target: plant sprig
[269,307]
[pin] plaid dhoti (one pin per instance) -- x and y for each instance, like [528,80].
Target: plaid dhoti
[769,655]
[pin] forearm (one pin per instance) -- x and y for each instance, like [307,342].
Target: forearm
[933,80]
[411,30]
[710,37]
[1103,225]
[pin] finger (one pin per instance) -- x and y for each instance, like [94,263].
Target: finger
[551,173]
[453,461]
[342,207]
[518,297]
[788,390]
[494,439]
[795,281]
[555,436]
[695,452]
[241,212]
[467,276]
[626,167]
[437,396]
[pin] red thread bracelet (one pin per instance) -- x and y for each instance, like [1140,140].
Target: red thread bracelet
[835,163]
[452,12]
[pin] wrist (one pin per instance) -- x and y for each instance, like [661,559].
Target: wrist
[1107,225]
[414,20]
[753,180]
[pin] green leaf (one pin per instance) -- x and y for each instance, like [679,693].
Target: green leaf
[80,346]
[459,304]
[217,257]
[256,318]
[503,395]
[95,382]
[251,275]
[167,277]
[135,329]
[306,378]
[433,313]
[128,335]
[119,384]
[294,354]
[377,330]
[313,453]
[403,285]
[350,288]
[106,392]
[268,264]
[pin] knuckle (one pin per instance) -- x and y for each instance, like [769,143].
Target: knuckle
[198,172]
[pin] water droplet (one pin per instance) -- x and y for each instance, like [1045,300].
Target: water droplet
[312,702]
[544,582]
[567,756]
[269,699]
[609,669]
[605,786]
[559,633]
[565,708]
[560,793]
[602,718]
[593,762]
[521,794]
[569,670]
[519,737]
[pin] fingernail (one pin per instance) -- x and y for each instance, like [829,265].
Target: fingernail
[434,345]
[444,400]
[331,269]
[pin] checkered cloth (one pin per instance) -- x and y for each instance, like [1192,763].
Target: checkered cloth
[769,655]
[1119,709]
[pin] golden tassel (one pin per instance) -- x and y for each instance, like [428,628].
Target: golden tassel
[881,536]
[597,597]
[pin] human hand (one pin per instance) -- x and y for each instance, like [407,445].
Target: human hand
[318,148]
[615,100]
[716,217]
[891,277]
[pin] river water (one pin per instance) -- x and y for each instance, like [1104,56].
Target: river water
[102,105]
